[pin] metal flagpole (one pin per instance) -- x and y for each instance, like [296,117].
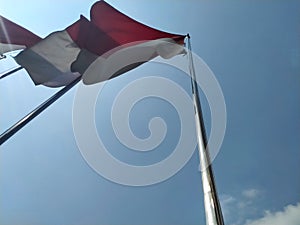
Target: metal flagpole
[213,212]
[5,74]
[26,119]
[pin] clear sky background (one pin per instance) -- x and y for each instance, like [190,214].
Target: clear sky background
[253,48]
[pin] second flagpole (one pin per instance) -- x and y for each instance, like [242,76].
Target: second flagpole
[26,119]
[5,74]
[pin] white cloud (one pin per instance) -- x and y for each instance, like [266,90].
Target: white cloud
[227,199]
[237,209]
[227,204]
[251,193]
[289,216]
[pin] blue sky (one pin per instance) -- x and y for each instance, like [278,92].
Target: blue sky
[252,47]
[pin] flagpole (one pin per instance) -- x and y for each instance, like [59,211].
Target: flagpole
[213,212]
[26,119]
[5,74]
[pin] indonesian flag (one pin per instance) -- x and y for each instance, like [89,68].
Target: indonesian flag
[14,37]
[107,46]
[135,43]
[49,61]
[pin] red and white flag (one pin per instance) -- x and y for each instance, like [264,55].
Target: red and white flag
[108,46]
[136,43]
[14,37]
[49,61]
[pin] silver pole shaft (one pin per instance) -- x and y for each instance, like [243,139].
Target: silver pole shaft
[34,113]
[213,212]
[5,74]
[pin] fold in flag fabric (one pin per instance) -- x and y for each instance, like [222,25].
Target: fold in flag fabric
[49,61]
[105,47]
[136,43]
[14,37]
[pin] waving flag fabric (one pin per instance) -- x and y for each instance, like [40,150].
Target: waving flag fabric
[136,43]
[122,28]
[49,61]
[14,37]
[107,46]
